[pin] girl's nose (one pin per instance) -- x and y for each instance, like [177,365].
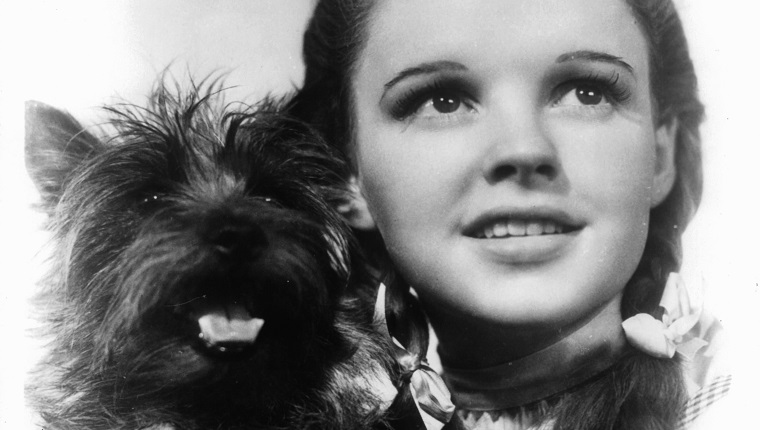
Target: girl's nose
[519,149]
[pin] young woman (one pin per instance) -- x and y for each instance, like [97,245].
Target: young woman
[528,167]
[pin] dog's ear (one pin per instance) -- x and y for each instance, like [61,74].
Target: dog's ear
[55,144]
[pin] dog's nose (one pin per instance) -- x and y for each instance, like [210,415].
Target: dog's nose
[232,240]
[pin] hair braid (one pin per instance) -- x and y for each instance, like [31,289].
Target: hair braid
[674,88]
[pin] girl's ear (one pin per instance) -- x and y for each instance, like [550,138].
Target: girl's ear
[665,163]
[355,210]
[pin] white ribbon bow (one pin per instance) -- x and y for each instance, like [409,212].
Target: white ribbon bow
[664,338]
[430,394]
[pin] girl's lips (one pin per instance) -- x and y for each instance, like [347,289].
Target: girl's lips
[519,228]
[515,222]
[523,235]
[533,249]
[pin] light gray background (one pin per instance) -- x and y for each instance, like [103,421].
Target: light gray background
[82,54]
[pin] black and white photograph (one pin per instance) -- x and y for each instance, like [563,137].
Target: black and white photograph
[379,214]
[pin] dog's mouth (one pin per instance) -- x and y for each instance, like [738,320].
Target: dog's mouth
[227,327]
[220,326]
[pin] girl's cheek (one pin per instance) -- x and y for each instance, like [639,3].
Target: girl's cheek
[416,156]
[610,163]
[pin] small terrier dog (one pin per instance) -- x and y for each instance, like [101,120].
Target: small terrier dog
[201,278]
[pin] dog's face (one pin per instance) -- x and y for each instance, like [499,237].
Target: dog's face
[192,252]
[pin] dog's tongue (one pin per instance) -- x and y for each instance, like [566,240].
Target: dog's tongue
[229,324]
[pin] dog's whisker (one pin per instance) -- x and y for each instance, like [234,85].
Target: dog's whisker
[175,305]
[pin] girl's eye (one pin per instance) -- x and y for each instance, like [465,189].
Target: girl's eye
[584,95]
[592,91]
[589,95]
[445,102]
[439,101]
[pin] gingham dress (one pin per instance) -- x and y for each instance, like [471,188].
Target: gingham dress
[705,397]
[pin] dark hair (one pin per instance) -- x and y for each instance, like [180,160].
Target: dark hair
[674,87]
[334,39]
[332,43]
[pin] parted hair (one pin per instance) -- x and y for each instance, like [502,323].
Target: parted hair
[631,392]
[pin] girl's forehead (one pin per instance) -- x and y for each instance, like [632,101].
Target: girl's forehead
[492,32]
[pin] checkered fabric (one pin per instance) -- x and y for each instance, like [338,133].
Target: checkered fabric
[705,397]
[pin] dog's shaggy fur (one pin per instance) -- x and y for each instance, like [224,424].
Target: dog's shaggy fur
[184,210]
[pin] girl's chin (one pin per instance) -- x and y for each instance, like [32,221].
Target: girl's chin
[548,299]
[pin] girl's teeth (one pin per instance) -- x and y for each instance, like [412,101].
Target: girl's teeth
[521,228]
[516,227]
[534,228]
[500,229]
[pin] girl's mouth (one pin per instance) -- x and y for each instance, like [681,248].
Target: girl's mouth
[527,237]
[519,227]
[526,221]
[516,227]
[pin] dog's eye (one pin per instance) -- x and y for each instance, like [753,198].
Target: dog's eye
[149,202]
[152,199]
[269,200]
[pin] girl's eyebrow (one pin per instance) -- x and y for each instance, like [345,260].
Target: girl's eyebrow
[586,55]
[423,69]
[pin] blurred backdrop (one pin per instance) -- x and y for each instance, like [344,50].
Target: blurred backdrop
[81,54]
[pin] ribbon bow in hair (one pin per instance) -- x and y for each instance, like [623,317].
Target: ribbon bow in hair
[432,398]
[682,309]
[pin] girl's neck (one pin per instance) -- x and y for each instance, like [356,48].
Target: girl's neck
[500,367]
[471,343]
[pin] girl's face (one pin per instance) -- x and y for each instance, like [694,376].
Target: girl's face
[508,154]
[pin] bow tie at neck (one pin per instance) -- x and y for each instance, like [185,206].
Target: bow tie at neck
[572,360]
